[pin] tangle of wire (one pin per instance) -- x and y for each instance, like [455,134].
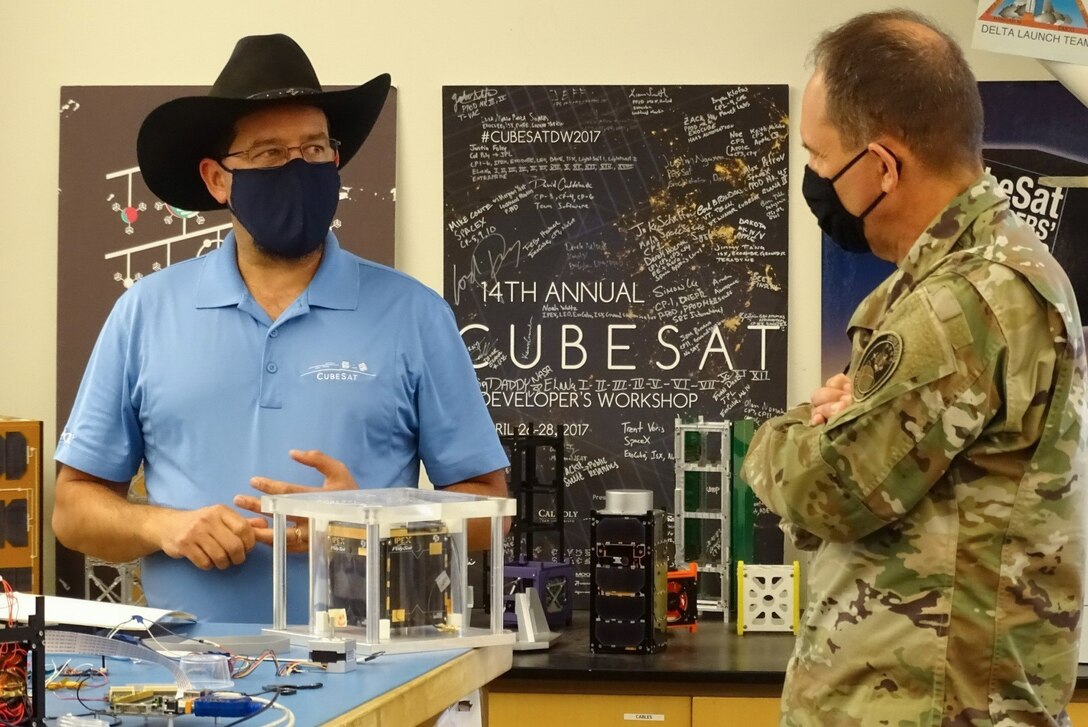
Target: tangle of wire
[114,719]
[240,666]
[287,720]
[148,623]
[14,698]
[243,666]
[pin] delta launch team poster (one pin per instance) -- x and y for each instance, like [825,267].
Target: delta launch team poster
[616,258]
[1055,30]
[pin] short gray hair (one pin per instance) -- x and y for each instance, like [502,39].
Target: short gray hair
[895,72]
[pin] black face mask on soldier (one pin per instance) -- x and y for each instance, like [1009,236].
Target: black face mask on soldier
[845,229]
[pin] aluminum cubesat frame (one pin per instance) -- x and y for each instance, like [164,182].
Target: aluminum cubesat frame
[712,463]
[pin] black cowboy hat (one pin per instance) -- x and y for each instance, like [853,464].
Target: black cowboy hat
[263,70]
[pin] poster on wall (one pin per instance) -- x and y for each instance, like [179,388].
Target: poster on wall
[616,258]
[1054,30]
[112,231]
[1034,145]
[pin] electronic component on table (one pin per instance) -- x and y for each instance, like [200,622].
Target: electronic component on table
[162,700]
[337,655]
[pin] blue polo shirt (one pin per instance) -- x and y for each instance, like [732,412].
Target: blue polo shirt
[191,377]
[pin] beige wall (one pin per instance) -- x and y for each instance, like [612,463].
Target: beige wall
[424,44]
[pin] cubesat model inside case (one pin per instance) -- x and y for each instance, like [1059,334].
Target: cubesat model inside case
[388,567]
[415,587]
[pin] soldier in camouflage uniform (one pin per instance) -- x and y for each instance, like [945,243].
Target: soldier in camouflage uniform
[940,482]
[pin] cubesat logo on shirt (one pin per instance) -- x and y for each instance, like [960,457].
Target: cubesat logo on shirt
[337,371]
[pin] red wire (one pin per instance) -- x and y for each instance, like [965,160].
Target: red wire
[14,702]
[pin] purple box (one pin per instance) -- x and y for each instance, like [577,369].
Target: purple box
[554,583]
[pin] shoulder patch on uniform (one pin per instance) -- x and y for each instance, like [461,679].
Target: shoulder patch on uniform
[877,363]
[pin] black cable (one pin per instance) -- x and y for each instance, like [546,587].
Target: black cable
[263,709]
[287,688]
[89,708]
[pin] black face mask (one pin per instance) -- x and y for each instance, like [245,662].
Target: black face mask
[287,209]
[846,229]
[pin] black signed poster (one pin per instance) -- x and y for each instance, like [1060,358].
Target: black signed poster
[616,258]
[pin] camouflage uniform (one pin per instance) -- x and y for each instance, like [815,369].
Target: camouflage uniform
[945,503]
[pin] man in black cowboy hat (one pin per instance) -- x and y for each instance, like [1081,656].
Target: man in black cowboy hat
[278,355]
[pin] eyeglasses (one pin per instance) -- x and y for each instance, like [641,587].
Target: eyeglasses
[270,156]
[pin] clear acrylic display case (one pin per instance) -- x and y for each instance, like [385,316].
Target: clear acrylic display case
[414,595]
